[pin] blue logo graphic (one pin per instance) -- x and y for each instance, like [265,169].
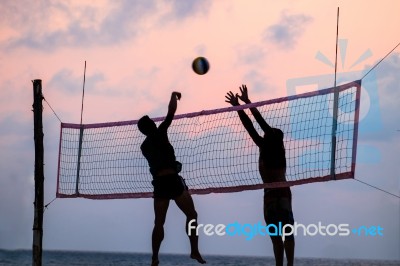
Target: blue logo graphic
[370,117]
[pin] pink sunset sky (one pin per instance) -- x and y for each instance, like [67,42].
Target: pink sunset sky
[137,53]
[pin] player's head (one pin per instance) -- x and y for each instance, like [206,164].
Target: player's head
[146,125]
[274,137]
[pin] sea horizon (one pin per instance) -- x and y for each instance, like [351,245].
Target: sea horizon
[21,257]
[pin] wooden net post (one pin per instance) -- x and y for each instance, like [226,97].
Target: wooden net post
[39,175]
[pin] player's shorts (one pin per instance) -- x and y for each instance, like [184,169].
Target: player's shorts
[278,209]
[168,186]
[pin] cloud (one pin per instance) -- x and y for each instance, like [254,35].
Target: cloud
[57,24]
[65,81]
[176,11]
[286,33]
[251,55]
[388,81]
[184,9]
[259,83]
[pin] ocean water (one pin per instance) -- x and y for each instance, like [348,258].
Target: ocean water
[67,258]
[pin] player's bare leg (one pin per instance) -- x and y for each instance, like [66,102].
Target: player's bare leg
[289,250]
[160,212]
[185,203]
[278,250]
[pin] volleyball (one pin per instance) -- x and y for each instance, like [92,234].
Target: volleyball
[200,65]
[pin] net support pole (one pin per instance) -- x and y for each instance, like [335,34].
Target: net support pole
[334,129]
[355,133]
[335,108]
[39,174]
[78,167]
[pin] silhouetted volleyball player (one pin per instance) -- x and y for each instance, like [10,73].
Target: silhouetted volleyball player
[272,167]
[168,184]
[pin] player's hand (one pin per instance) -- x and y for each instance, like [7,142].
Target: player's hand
[176,94]
[232,98]
[245,96]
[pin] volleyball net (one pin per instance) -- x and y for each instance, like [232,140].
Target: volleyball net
[104,161]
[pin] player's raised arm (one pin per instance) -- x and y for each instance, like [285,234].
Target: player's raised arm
[172,106]
[233,100]
[260,120]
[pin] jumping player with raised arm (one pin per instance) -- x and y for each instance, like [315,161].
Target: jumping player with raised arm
[168,184]
[272,167]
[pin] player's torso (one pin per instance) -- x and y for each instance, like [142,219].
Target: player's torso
[158,151]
